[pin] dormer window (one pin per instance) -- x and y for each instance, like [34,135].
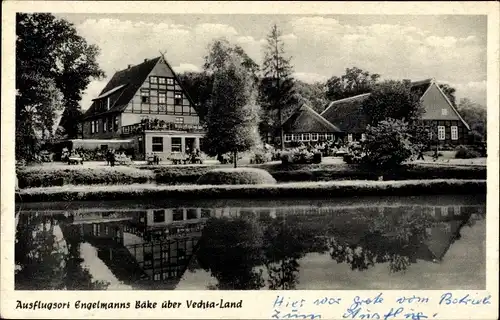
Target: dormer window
[444,112]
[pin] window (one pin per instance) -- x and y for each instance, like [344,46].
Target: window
[170,81]
[106,230]
[158,216]
[454,133]
[329,136]
[178,98]
[176,144]
[349,137]
[305,137]
[441,132]
[97,126]
[179,120]
[161,80]
[314,137]
[145,95]
[157,144]
[177,214]
[363,137]
[104,125]
[153,79]
[115,123]
[157,276]
[288,137]
[161,98]
[92,126]
[444,112]
[296,137]
[108,103]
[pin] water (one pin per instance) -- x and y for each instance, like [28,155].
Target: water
[431,242]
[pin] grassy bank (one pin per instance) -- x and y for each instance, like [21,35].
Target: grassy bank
[32,177]
[287,190]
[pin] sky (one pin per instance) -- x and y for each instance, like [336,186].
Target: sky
[449,48]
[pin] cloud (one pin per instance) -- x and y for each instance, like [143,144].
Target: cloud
[186,67]
[320,46]
[473,90]
[309,77]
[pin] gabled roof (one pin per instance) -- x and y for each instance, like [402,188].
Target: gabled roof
[129,81]
[347,113]
[305,119]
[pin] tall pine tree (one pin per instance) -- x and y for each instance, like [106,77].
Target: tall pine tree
[277,85]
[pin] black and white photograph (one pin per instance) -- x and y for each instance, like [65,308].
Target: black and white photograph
[167,151]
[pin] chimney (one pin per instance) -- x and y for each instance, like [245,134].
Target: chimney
[129,66]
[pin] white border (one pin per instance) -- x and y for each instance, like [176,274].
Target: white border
[256,305]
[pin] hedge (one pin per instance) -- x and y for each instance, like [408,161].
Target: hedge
[32,177]
[225,176]
[288,190]
[172,175]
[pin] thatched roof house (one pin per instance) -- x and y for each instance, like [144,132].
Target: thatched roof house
[348,115]
[305,119]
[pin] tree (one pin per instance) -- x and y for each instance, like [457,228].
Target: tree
[355,81]
[36,108]
[221,50]
[312,94]
[387,144]
[233,114]
[392,99]
[277,86]
[475,115]
[52,48]
[199,85]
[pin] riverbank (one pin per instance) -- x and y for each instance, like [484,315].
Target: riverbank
[331,189]
[48,176]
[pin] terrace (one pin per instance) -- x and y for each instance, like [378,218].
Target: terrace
[161,126]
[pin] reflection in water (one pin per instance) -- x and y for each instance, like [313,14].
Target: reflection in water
[262,247]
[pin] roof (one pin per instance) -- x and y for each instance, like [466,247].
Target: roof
[123,86]
[347,113]
[305,119]
[349,116]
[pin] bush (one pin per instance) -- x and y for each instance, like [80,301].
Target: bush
[354,153]
[236,176]
[465,153]
[180,175]
[261,156]
[31,177]
[301,156]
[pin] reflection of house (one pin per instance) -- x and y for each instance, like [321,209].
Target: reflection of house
[144,246]
[440,116]
[150,90]
[306,125]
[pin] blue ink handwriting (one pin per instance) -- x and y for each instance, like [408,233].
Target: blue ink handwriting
[448,299]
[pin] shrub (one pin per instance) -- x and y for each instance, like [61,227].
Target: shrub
[261,156]
[236,176]
[30,177]
[465,153]
[354,153]
[301,155]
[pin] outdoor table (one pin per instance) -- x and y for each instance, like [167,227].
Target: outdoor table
[75,160]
